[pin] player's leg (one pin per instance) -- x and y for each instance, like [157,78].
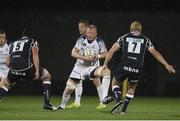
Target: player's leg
[98,85]
[78,93]
[99,88]
[3,73]
[116,90]
[4,88]
[76,77]
[106,82]
[129,96]
[70,86]
[133,80]
[46,84]
[106,74]
[6,84]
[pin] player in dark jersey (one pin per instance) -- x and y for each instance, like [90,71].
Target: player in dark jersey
[24,64]
[133,46]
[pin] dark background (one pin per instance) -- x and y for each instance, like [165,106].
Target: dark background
[55,25]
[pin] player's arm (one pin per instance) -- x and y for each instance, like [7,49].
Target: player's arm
[111,52]
[102,55]
[75,53]
[35,56]
[160,58]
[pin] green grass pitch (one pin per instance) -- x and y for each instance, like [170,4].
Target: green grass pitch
[30,107]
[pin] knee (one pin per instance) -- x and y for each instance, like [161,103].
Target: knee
[97,82]
[115,82]
[70,85]
[131,89]
[45,75]
[107,72]
[6,83]
[67,91]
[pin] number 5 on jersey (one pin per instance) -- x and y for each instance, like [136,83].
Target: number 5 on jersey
[19,45]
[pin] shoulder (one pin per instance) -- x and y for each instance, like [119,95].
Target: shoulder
[99,39]
[6,45]
[145,37]
[124,36]
[81,38]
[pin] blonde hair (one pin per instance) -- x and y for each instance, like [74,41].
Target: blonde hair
[135,26]
[92,27]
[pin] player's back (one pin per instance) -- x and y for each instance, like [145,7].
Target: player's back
[21,54]
[134,46]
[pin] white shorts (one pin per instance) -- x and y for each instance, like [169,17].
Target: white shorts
[3,73]
[82,72]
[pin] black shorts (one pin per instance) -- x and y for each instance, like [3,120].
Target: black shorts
[133,74]
[13,76]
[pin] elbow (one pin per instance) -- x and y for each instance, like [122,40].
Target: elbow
[73,54]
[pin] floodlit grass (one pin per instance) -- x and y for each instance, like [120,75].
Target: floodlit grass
[141,108]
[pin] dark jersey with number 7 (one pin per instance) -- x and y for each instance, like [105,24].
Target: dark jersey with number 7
[134,46]
[21,54]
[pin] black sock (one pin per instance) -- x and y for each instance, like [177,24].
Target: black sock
[3,92]
[46,92]
[117,93]
[126,102]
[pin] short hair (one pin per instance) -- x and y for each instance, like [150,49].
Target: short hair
[84,21]
[27,32]
[92,27]
[136,26]
[2,31]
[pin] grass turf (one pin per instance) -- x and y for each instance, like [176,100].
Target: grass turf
[141,108]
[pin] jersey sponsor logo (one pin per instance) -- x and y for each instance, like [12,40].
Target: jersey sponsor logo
[130,69]
[18,73]
[130,57]
[135,81]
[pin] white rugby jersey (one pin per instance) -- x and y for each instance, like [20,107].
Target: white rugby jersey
[4,54]
[86,48]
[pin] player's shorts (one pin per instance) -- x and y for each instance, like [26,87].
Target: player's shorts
[133,73]
[28,74]
[81,73]
[3,73]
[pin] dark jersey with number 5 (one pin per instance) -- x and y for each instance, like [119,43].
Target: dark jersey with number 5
[21,54]
[134,46]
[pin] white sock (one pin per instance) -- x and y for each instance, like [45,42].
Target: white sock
[105,85]
[65,99]
[100,92]
[78,92]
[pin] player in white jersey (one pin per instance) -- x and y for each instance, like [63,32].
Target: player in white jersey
[4,55]
[82,25]
[87,52]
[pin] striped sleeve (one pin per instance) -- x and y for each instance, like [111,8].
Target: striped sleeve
[120,39]
[149,43]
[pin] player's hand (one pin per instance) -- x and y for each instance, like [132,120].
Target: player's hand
[170,69]
[94,57]
[36,75]
[91,58]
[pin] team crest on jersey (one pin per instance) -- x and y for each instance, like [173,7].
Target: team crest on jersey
[84,44]
[93,47]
